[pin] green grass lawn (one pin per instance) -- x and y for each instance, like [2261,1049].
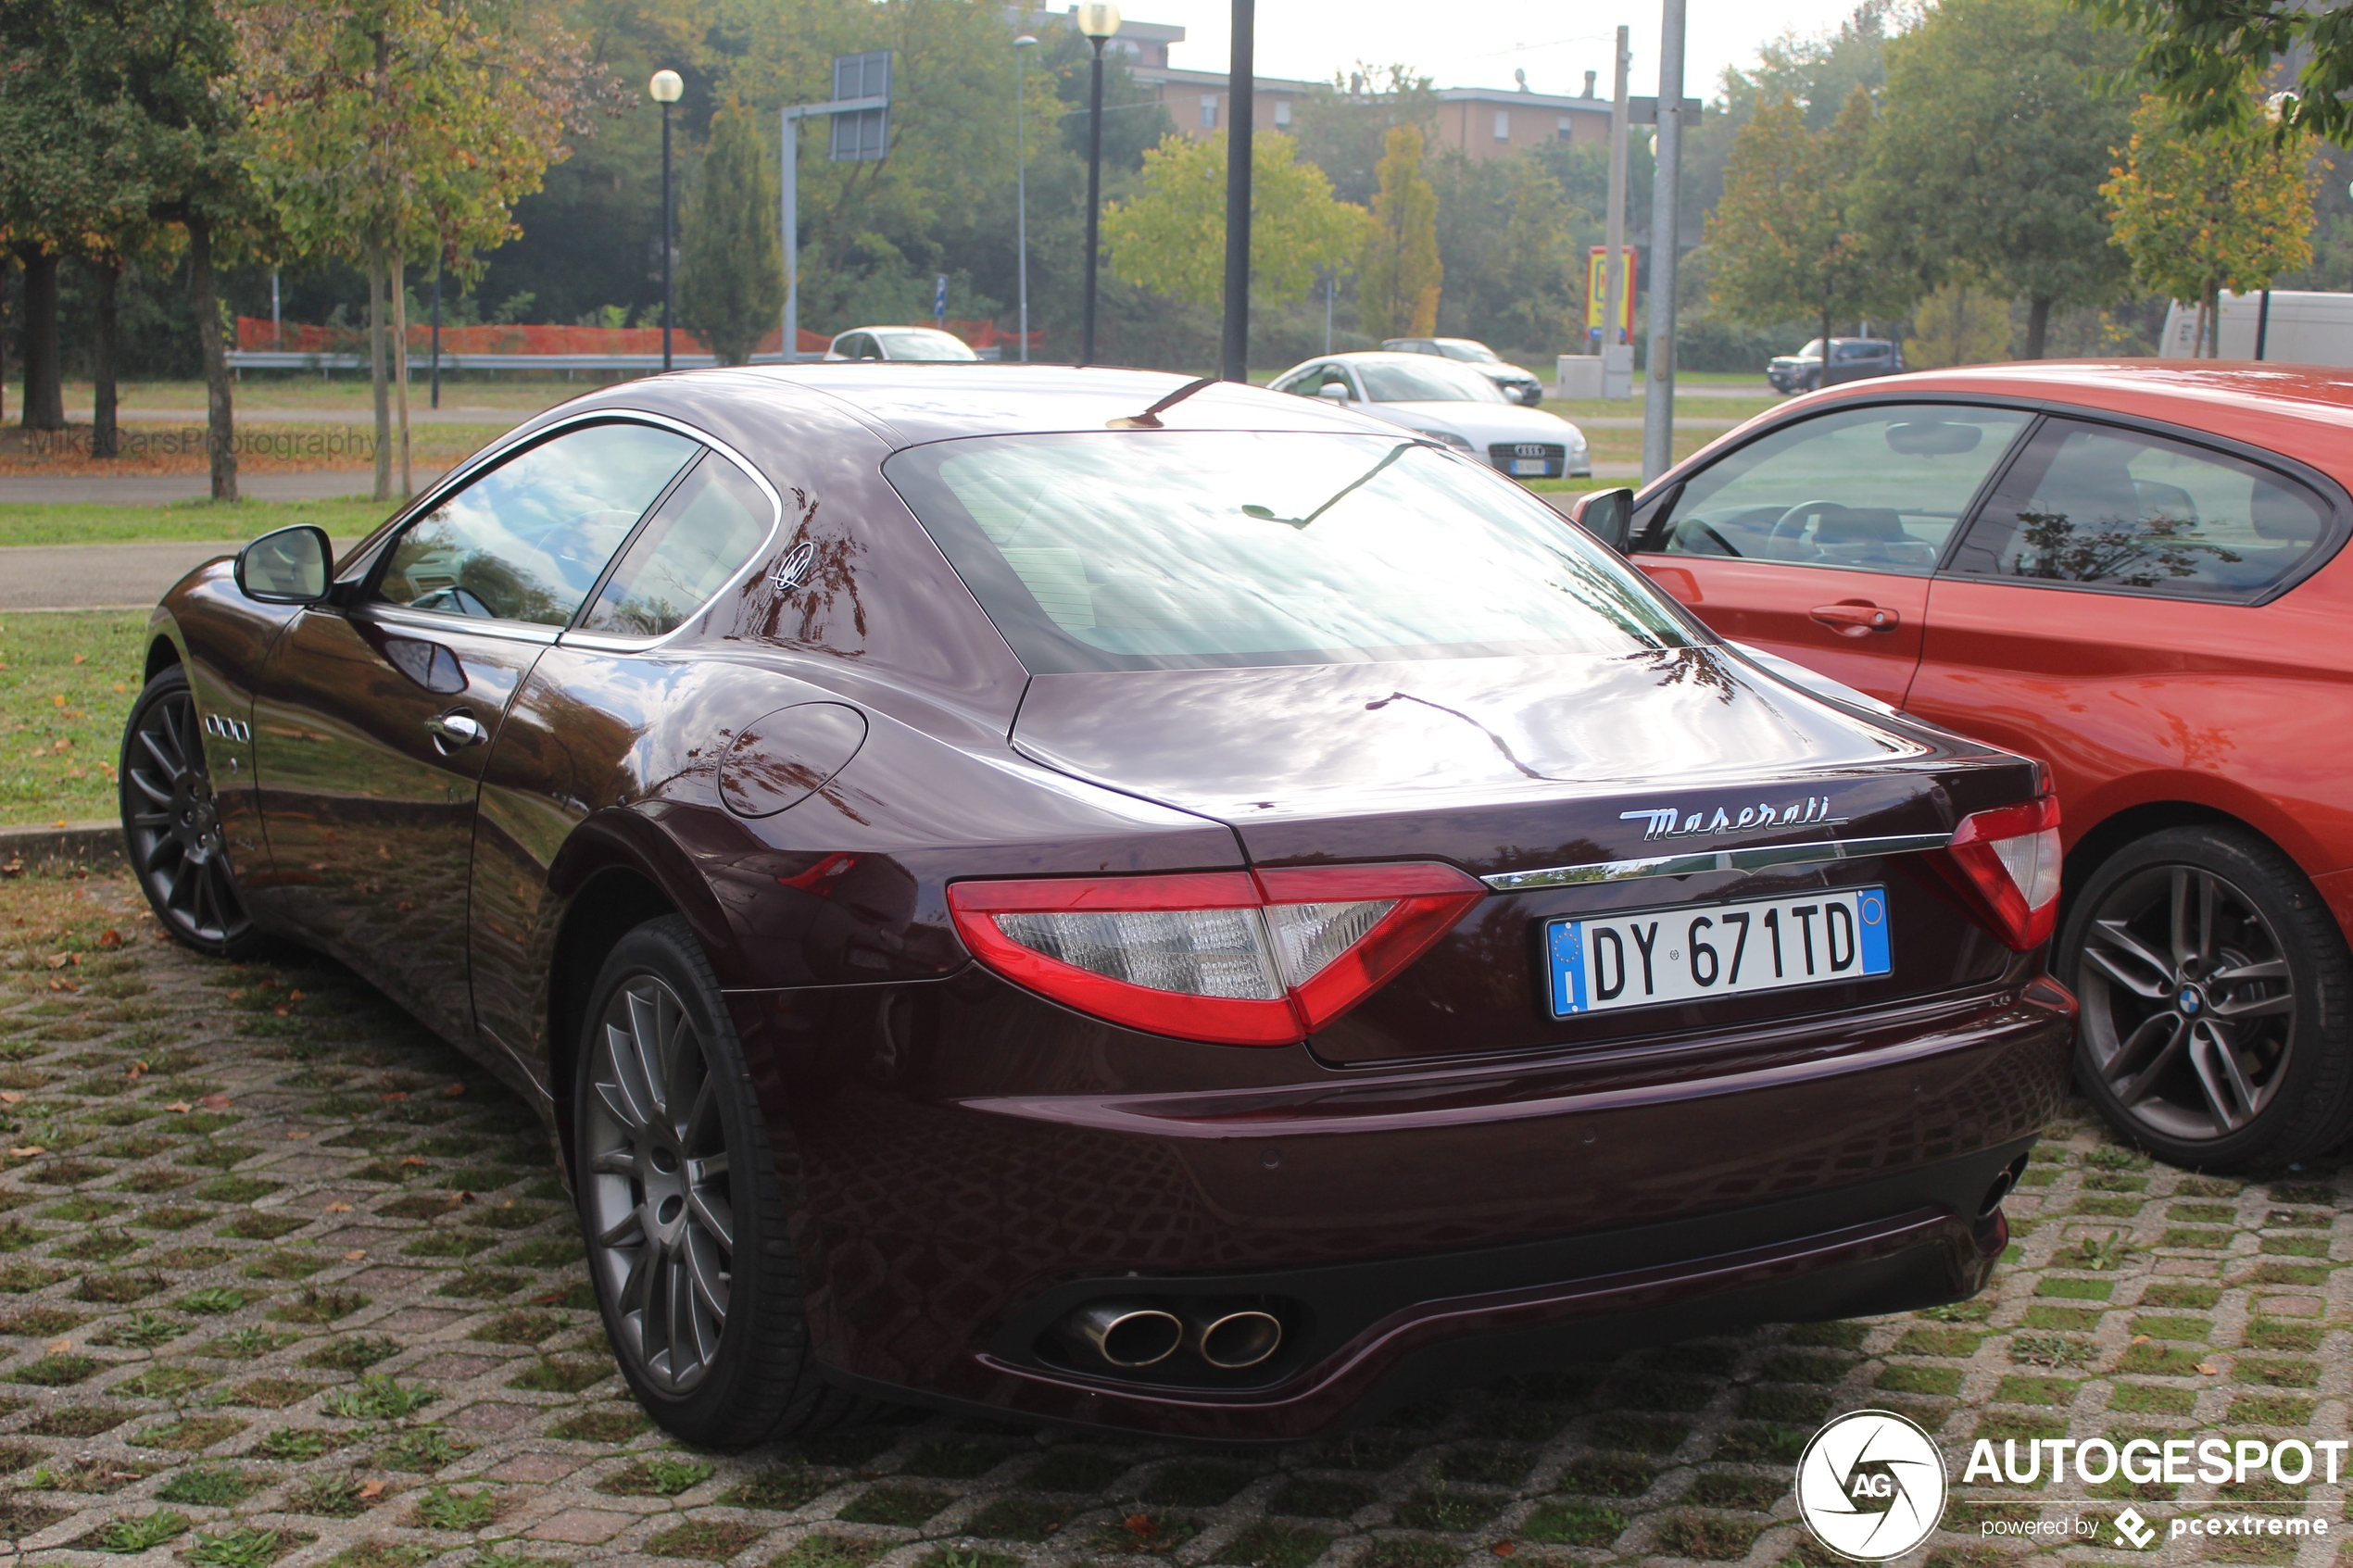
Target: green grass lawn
[65,686]
[77,523]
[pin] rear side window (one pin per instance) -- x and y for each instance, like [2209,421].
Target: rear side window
[701,536]
[2125,511]
[1879,489]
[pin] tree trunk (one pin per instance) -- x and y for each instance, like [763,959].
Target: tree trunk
[2038,327]
[220,434]
[105,439]
[44,392]
[400,365]
[376,370]
[1822,377]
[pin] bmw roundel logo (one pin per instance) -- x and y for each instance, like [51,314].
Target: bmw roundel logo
[1870,1485]
[2188,1001]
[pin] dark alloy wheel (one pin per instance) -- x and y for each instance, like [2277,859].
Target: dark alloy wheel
[680,1205]
[171,821]
[2212,982]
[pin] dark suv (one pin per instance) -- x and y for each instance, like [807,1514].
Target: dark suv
[1851,358]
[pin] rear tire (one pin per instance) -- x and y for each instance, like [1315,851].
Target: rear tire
[695,1273]
[172,823]
[2217,1025]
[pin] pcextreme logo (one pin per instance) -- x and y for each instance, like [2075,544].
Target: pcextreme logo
[1870,1485]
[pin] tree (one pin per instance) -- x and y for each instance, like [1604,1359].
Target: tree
[1513,248]
[1958,325]
[1785,241]
[1989,157]
[1399,278]
[731,285]
[393,130]
[1170,237]
[2212,59]
[1343,125]
[2227,206]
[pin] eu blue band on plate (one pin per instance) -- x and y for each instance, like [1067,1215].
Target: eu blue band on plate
[1568,965]
[1870,916]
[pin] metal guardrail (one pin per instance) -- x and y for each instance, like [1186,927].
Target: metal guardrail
[644,364]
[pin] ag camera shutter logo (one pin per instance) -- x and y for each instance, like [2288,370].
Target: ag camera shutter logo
[1870,1485]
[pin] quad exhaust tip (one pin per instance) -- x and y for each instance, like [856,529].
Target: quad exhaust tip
[1131,1335]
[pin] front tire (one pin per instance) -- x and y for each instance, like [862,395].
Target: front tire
[695,1273]
[172,823]
[2215,1029]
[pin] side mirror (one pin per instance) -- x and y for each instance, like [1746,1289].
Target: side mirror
[289,567]
[1336,391]
[1607,515]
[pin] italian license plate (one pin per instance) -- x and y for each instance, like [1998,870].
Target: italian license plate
[1529,466]
[1687,953]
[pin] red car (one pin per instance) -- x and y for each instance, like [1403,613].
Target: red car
[2132,571]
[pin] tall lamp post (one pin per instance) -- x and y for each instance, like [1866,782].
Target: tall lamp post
[665,88]
[1022,46]
[1234,355]
[1097,20]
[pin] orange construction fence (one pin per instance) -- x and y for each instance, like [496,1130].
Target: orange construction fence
[294,337]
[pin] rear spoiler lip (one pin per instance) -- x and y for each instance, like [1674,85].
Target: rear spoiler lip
[1747,861]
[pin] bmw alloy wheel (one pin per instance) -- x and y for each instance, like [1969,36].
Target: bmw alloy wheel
[660,1219]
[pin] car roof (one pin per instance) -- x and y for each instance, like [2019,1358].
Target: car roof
[2300,411]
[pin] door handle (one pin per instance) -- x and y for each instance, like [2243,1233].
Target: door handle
[1858,618]
[455,730]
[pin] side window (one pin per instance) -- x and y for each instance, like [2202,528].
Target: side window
[2123,510]
[527,540]
[706,530]
[1300,381]
[1879,488]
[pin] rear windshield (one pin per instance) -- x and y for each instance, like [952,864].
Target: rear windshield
[1186,550]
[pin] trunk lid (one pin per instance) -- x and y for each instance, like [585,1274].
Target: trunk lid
[1528,773]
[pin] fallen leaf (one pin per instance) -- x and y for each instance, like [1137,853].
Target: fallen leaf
[2207,1369]
[60,1347]
[238,994]
[136,1071]
[11,1097]
[59,960]
[215,1102]
[293,995]
[355,1255]
[297,1133]
[1140,1525]
[372,1491]
[2140,1340]
[179,1105]
[279,1011]
[396,1094]
[111,937]
[56,985]
[1505,1549]
[339,1207]
[81,658]
[453,1091]
[27,1152]
[413,1160]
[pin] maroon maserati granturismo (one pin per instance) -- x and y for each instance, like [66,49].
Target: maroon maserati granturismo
[1150,904]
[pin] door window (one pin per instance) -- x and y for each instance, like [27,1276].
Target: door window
[1879,489]
[527,541]
[705,531]
[2125,511]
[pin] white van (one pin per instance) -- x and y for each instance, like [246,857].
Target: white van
[2304,329]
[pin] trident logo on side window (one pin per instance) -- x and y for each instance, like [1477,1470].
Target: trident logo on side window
[793,570]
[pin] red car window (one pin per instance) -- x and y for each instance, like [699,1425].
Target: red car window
[2120,509]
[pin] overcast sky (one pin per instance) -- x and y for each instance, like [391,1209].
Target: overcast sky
[1479,45]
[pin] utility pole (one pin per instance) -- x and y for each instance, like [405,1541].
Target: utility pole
[859,115]
[1234,362]
[1617,355]
[1022,46]
[1658,403]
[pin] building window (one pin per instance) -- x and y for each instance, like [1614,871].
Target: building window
[1502,125]
[1282,113]
[1560,132]
[1208,112]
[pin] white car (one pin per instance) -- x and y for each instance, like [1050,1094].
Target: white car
[926,345]
[1451,404]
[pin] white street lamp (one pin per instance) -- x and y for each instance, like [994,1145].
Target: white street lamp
[1022,46]
[665,89]
[1097,20]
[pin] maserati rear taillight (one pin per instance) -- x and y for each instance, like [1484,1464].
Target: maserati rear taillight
[2007,862]
[1238,958]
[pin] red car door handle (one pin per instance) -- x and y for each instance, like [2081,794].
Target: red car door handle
[1858,618]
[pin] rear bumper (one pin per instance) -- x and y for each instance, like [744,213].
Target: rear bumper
[1419,1229]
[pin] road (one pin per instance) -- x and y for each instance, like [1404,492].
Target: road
[49,577]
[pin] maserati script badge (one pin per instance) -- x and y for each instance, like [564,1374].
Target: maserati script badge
[793,570]
[1669,822]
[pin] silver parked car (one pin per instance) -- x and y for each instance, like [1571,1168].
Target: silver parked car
[1451,404]
[1515,382]
[900,344]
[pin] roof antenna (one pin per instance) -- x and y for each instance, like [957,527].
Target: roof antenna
[1150,418]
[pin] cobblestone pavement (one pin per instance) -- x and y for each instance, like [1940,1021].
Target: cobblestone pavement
[283,1280]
